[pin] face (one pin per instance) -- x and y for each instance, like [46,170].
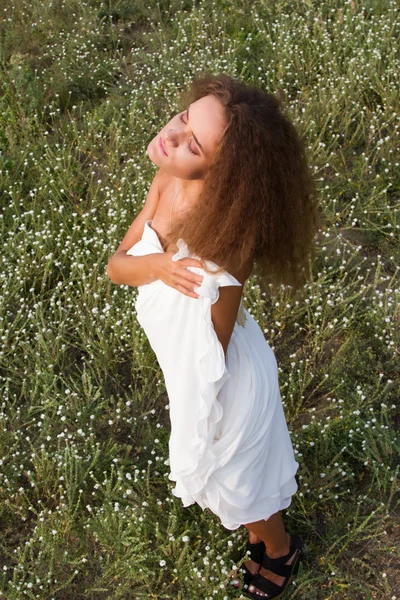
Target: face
[186,146]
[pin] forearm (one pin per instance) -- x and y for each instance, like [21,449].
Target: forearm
[124,269]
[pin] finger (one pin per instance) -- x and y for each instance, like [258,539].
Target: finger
[187,292]
[192,277]
[185,283]
[186,267]
[191,262]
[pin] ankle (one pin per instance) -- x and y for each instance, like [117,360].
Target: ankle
[277,552]
[253,539]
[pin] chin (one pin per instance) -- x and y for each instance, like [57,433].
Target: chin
[151,154]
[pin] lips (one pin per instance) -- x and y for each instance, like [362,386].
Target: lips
[161,144]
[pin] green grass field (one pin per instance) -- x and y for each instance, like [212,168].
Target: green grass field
[86,509]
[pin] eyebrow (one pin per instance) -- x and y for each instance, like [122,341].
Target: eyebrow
[195,138]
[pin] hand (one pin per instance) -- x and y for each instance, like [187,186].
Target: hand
[176,275]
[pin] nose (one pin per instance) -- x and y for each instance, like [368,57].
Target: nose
[173,136]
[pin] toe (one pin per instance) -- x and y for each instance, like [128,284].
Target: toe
[255,590]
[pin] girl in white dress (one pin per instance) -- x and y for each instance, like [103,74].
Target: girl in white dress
[233,193]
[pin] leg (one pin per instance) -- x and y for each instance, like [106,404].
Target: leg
[277,542]
[272,533]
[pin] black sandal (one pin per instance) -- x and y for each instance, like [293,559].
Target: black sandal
[256,553]
[277,566]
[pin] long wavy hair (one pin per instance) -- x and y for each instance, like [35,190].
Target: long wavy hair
[258,202]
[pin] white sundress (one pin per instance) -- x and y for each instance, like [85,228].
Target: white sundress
[229,448]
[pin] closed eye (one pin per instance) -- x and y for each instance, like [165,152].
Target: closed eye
[189,143]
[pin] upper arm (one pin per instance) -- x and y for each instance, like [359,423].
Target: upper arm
[148,211]
[224,311]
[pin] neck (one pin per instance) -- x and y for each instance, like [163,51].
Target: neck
[190,189]
[189,184]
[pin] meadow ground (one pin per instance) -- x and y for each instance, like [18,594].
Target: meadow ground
[86,509]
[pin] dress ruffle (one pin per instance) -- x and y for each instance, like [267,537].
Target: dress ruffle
[213,373]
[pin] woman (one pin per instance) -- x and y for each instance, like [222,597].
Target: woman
[233,192]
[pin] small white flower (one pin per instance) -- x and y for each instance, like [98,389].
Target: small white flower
[162,563]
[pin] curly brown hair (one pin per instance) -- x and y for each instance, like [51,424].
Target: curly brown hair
[258,202]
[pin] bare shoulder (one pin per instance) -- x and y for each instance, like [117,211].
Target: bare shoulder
[147,213]
[244,272]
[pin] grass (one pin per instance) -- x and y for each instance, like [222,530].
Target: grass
[86,509]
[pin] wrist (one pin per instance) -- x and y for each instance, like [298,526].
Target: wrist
[155,265]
